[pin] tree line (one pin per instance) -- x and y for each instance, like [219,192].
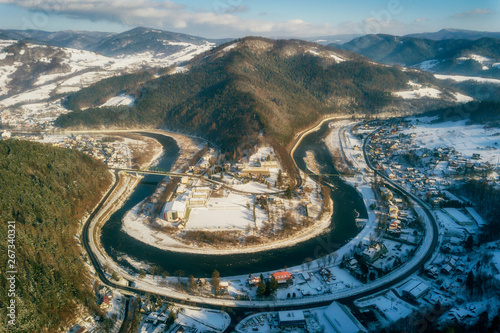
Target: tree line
[46,190]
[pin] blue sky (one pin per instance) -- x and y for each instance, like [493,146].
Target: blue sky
[237,18]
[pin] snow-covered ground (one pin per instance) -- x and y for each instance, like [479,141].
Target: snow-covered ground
[428,65]
[466,139]
[479,58]
[419,93]
[461,78]
[122,100]
[230,212]
[316,289]
[316,52]
[83,69]
[351,150]
[203,319]
[261,154]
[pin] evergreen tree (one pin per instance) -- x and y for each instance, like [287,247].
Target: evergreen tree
[171,318]
[192,283]
[470,281]
[279,180]
[261,288]
[216,281]
[495,324]
[469,243]
[273,286]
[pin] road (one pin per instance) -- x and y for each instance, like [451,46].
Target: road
[240,307]
[178,174]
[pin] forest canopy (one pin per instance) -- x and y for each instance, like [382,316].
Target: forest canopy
[46,190]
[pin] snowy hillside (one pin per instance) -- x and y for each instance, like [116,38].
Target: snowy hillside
[38,75]
[418,91]
[470,61]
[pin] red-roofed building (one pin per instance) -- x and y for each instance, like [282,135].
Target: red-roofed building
[282,277]
[104,302]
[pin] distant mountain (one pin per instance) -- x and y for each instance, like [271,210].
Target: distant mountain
[479,57]
[332,39]
[238,90]
[142,39]
[455,34]
[35,72]
[75,39]
[137,40]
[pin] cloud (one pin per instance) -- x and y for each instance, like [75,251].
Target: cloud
[221,21]
[421,19]
[170,15]
[478,12]
[236,9]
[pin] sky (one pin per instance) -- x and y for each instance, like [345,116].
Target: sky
[238,18]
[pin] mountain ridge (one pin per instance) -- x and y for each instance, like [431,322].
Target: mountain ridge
[450,33]
[136,40]
[478,57]
[258,85]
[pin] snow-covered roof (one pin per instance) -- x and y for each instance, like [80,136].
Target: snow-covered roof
[342,319]
[415,288]
[176,205]
[479,220]
[457,215]
[291,316]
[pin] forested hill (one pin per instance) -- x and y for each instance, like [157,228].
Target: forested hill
[450,56]
[46,190]
[255,85]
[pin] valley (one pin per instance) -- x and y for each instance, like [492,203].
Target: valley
[230,185]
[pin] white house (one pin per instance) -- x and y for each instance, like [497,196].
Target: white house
[174,210]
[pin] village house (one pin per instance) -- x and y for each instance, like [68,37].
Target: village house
[104,303]
[414,289]
[282,277]
[223,287]
[255,171]
[174,211]
[291,319]
[253,281]
[372,253]
[269,164]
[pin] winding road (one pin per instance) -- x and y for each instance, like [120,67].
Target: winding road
[240,307]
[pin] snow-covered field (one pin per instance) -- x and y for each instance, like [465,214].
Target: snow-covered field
[223,213]
[466,139]
[203,320]
[479,58]
[428,64]
[419,91]
[122,100]
[461,78]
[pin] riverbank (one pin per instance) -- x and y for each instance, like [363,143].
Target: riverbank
[343,149]
[139,227]
[126,184]
[337,290]
[188,148]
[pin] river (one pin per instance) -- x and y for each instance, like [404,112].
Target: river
[342,228]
